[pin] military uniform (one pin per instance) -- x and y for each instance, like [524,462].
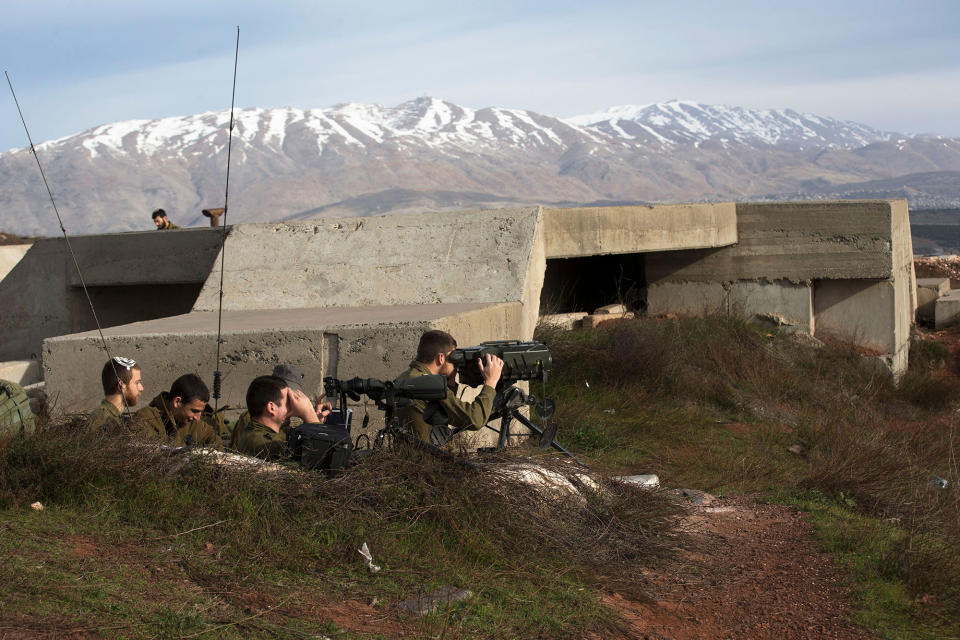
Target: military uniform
[106,417]
[156,422]
[254,438]
[168,227]
[471,415]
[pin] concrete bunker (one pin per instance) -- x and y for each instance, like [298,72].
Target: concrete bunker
[352,296]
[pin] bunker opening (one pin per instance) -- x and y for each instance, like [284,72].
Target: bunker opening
[586,283]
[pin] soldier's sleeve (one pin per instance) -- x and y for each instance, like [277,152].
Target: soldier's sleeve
[269,446]
[148,424]
[411,417]
[205,434]
[471,415]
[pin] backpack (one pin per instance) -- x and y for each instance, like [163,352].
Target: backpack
[319,446]
[15,414]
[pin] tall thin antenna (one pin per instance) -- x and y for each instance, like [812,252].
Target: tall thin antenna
[217,374]
[66,238]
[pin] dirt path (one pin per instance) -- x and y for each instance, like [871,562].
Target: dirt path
[756,573]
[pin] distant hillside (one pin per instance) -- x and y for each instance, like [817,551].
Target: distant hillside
[935,231]
[427,154]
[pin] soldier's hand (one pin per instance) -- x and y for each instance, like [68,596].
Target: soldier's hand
[301,406]
[491,369]
[323,408]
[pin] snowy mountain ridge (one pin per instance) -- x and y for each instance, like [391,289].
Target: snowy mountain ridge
[429,154]
[436,123]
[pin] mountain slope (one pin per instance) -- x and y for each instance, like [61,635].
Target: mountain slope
[349,159]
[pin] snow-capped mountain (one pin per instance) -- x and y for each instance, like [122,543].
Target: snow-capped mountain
[680,122]
[357,159]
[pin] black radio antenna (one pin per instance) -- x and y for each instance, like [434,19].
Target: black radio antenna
[217,374]
[66,238]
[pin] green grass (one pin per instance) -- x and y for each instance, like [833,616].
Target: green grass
[872,550]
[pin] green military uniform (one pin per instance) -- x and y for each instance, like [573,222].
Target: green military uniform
[253,438]
[471,415]
[169,227]
[156,422]
[105,417]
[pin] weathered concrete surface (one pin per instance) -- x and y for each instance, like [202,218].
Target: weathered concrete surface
[590,231]
[452,257]
[861,311]
[928,290]
[796,241]
[131,276]
[564,320]
[859,254]
[792,302]
[10,255]
[376,342]
[947,310]
[23,372]
[685,298]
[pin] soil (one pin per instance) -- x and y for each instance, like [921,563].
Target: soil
[753,572]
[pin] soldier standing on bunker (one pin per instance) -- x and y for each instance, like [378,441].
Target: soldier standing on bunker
[160,219]
[430,420]
[178,415]
[271,401]
[122,386]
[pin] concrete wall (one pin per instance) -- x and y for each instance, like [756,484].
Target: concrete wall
[928,291]
[796,241]
[376,342]
[451,257]
[791,303]
[42,295]
[10,255]
[840,268]
[591,231]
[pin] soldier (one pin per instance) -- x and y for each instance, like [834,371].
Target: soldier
[122,386]
[160,219]
[432,353]
[271,402]
[177,415]
[294,379]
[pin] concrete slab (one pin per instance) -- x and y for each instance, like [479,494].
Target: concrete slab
[928,290]
[23,372]
[685,298]
[10,255]
[793,302]
[376,342]
[947,310]
[591,231]
[430,258]
[861,311]
[564,320]
[131,275]
[798,241]
[938,285]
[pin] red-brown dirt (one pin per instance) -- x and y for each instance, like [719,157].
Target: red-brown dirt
[755,573]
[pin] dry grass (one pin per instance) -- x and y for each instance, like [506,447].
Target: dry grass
[714,403]
[428,522]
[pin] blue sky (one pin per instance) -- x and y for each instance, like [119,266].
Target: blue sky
[76,65]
